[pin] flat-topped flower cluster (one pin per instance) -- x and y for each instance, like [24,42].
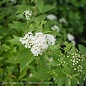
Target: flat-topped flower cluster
[27,14]
[37,43]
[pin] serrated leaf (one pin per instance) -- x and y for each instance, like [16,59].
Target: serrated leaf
[21,8]
[82,49]
[15,40]
[17,25]
[23,63]
[42,17]
[39,5]
[61,82]
[5,47]
[47,8]
[57,78]
[23,73]
[74,81]
[26,61]
[42,74]
[21,55]
[67,82]
[66,69]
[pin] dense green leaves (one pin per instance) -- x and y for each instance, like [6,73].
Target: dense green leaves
[47,8]
[43,8]
[15,40]
[21,8]
[67,82]
[39,5]
[63,64]
[20,57]
[82,48]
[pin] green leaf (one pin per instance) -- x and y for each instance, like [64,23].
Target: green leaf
[23,63]
[82,49]
[1,58]
[61,82]
[74,81]
[47,8]
[22,8]
[60,76]
[1,73]
[23,73]
[39,5]
[43,62]
[21,55]
[66,69]
[42,17]
[26,61]
[42,74]
[17,25]
[67,82]
[1,37]
[4,1]
[5,47]
[15,40]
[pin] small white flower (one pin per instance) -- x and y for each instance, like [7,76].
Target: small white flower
[51,17]
[50,39]
[27,14]
[55,27]
[62,20]
[74,68]
[30,75]
[70,37]
[36,50]
[51,59]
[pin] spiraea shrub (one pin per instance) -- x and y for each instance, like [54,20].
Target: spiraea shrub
[42,43]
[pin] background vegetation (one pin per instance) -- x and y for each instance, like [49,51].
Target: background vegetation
[17,64]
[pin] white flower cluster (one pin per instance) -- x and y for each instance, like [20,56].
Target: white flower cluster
[73,59]
[51,17]
[38,42]
[71,38]
[76,60]
[27,14]
[55,27]
[61,61]
[62,20]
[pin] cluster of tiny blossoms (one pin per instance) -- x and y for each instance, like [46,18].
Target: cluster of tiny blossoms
[37,43]
[75,59]
[63,20]
[51,17]
[27,14]
[55,27]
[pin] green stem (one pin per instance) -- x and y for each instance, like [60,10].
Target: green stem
[26,27]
